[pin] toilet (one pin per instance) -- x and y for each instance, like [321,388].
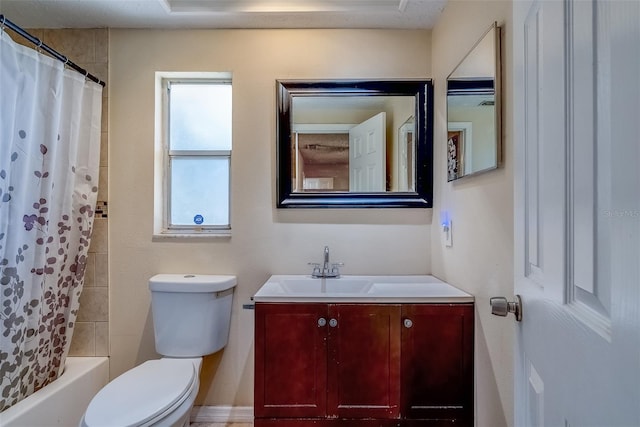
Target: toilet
[191,317]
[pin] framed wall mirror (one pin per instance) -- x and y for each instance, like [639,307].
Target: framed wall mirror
[355,143]
[474,136]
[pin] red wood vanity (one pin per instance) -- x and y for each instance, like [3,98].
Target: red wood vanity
[363,364]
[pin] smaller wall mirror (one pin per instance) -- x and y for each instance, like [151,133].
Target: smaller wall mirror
[474,110]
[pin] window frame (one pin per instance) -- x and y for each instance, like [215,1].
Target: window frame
[163,226]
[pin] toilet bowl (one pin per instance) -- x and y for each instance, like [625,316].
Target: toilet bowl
[156,393]
[191,316]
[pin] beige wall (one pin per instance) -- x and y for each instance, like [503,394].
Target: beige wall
[265,240]
[481,210]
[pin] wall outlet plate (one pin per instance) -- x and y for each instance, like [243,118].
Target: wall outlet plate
[447,229]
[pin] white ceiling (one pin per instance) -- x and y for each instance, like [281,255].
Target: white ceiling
[408,14]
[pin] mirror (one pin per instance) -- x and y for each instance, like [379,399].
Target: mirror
[473,110]
[356,143]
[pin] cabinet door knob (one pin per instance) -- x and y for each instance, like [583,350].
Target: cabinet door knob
[333,323]
[321,322]
[408,323]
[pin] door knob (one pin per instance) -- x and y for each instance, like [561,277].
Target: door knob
[501,307]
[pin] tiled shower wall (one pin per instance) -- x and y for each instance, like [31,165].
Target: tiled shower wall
[89,48]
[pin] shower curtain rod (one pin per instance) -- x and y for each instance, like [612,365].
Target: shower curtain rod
[4,22]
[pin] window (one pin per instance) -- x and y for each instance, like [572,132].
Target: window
[194,180]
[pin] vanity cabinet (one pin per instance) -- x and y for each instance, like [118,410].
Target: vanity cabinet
[363,364]
[290,361]
[437,362]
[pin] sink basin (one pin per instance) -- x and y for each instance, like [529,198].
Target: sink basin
[338,286]
[391,289]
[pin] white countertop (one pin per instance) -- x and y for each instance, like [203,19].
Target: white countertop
[360,289]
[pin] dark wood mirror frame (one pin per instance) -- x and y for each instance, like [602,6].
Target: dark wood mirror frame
[421,90]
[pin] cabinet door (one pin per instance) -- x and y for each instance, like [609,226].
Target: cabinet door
[437,362]
[364,361]
[290,360]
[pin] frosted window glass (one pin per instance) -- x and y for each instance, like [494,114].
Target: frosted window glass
[200,116]
[200,191]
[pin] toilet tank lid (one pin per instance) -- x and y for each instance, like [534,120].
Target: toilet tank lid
[191,283]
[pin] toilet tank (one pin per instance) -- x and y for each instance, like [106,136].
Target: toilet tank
[191,313]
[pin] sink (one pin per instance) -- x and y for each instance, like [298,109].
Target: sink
[381,289]
[309,285]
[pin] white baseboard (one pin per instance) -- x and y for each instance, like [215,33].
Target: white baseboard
[222,414]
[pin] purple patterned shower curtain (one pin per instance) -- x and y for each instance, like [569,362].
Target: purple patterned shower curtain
[49,159]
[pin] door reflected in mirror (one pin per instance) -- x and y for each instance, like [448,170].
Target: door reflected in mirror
[473,109]
[352,144]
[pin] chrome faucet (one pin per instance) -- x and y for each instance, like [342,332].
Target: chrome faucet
[327,270]
[325,266]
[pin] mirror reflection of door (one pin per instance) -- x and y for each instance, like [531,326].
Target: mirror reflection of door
[367,155]
[406,148]
[341,157]
[377,159]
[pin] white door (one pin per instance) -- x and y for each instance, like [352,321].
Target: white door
[405,157]
[577,212]
[367,155]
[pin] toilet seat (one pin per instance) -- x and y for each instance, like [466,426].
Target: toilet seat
[143,395]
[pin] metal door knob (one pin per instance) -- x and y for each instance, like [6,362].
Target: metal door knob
[333,323]
[408,323]
[321,322]
[501,307]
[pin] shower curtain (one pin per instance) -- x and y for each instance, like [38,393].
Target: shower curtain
[49,159]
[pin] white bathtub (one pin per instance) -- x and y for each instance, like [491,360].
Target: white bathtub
[63,402]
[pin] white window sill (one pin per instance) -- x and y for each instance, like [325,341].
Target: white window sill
[191,235]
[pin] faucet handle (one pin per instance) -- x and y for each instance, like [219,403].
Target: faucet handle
[335,268]
[316,268]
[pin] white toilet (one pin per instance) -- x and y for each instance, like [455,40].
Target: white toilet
[191,317]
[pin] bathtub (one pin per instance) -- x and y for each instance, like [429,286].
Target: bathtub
[63,402]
